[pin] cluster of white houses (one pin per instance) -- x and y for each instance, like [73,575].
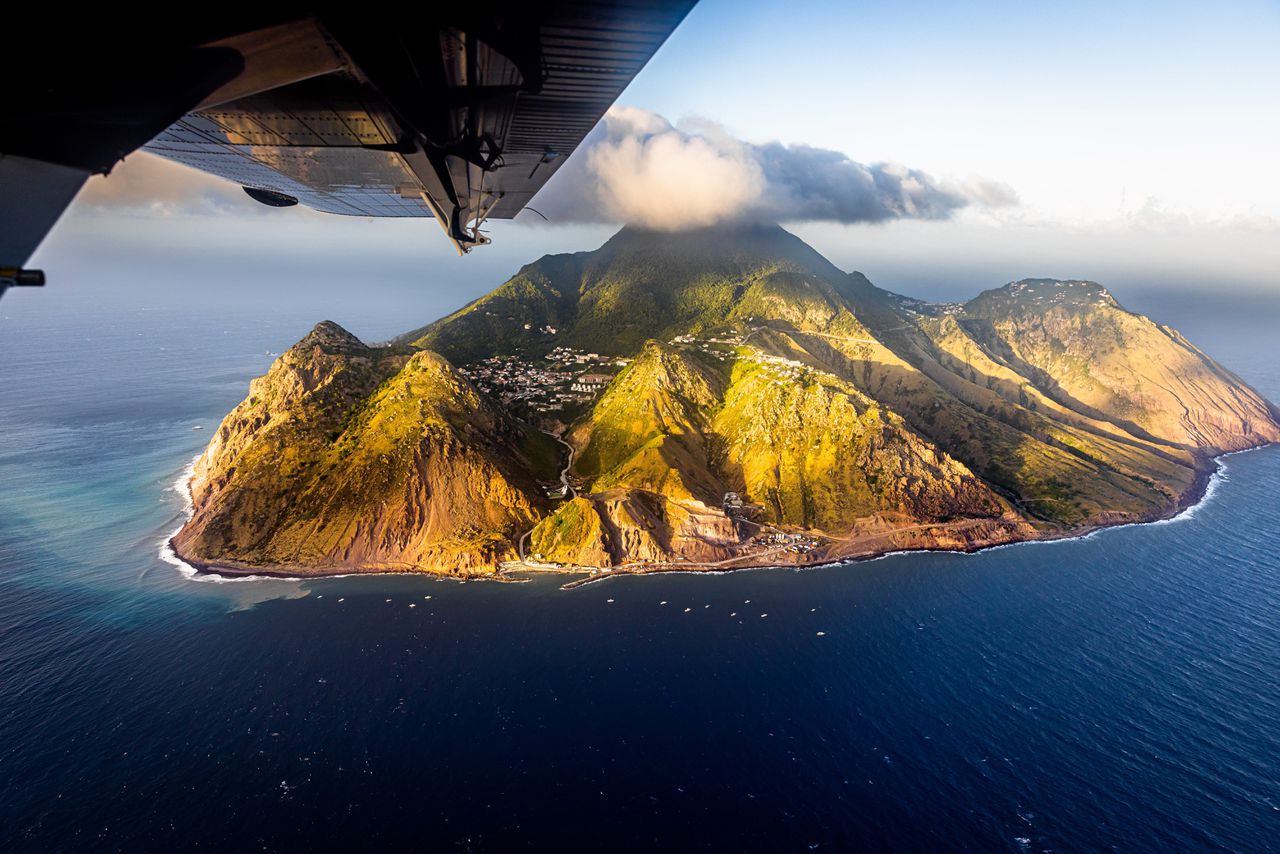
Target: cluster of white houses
[591,384]
[572,378]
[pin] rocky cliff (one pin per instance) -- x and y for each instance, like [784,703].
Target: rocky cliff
[358,458]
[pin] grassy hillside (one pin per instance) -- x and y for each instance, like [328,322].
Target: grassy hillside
[642,285]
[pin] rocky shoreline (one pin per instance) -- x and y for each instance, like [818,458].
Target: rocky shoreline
[1190,499]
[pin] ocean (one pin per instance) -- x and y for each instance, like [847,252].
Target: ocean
[1118,691]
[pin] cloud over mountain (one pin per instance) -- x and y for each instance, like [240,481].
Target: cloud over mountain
[636,167]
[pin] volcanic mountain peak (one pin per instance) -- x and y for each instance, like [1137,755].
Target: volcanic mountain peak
[742,245]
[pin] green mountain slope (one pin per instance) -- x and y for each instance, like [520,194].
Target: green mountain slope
[643,285]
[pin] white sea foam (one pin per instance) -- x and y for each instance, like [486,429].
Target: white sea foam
[1185,514]
[182,486]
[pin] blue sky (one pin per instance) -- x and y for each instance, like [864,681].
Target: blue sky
[1141,139]
[1075,104]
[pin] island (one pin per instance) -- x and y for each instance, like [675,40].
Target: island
[711,399]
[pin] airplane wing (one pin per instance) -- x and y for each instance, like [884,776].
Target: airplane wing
[459,112]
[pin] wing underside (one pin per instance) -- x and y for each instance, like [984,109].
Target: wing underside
[508,105]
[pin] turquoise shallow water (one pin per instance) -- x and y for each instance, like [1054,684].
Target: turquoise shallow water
[1117,691]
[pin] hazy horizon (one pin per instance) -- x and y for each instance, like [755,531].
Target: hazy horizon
[377,300]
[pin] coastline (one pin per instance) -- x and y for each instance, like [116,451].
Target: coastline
[191,569]
[1201,490]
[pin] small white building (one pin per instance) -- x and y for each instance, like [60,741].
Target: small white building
[591,383]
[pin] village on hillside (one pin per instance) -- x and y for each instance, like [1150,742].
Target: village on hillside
[566,381]
[559,385]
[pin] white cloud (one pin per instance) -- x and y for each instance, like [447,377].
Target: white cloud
[146,184]
[636,167]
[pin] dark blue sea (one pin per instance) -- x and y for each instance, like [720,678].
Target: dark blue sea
[1117,692]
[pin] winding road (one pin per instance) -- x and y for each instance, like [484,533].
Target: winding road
[569,491]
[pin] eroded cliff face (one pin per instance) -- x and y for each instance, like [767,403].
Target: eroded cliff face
[1084,350]
[346,456]
[634,526]
[776,410]
[306,395]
